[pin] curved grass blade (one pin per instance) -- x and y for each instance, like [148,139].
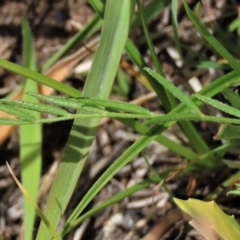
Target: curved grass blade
[39,107]
[174,90]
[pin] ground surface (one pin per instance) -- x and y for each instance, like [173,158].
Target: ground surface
[52,24]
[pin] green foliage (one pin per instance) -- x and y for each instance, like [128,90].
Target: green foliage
[94,105]
[30,138]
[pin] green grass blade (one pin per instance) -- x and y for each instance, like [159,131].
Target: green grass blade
[19,113]
[174,90]
[40,78]
[161,139]
[39,107]
[212,40]
[30,140]
[115,105]
[98,84]
[221,106]
[153,9]
[123,86]
[88,30]
[171,101]
[187,127]
[232,97]
[174,9]
[9,121]
[138,60]
[149,41]
[208,64]
[78,103]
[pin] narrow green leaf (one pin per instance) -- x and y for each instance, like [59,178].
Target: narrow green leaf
[149,40]
[228,131]
[116,198]
[22,114]
[212,40]
[232,97]
[190,116]
[174,9]
[35,106]
[153,9]
[221,106]
[30,140]
[58,100]
[170,99]
[40,78]
[78,103]
[174,90]
[123,82]
[15,122]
